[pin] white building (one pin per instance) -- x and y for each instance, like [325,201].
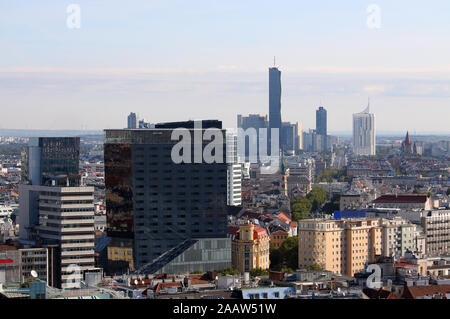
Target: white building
[62,216]
[399,235]
[234,172]
[364,133]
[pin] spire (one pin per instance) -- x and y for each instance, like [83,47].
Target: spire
[367,110]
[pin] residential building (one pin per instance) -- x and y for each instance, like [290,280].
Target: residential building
[234,172]
[343,246]
[250,248]
[437,231]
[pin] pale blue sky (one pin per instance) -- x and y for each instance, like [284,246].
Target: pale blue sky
[174,60]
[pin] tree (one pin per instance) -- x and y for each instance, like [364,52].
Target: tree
[300,208]
[228,271]
[286,257]
[258,272]
[317,197]
[315,266]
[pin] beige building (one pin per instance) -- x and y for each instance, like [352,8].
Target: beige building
[341,246]
[436,227]
[250,248]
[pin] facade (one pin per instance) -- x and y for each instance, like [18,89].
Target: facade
[288,138]
[278,237]
[51,161]
[154,204]
[131,121]
[364,133]
[250,248]
[436,227]
[234,173]
[341,246]
[399,235]
[298,137]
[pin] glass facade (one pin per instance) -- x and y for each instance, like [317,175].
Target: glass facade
[156,204]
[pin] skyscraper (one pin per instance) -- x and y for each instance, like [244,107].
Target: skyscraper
[54,211]
[155,206]
[321,127]
[321,121]
[274,101]
[364,133]
[132,120]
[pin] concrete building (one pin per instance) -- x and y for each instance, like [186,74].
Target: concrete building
[341,246]
[399,235]
[364,133]
[250,248]
[274,102]
[437,231]
[278,237]
[234,172]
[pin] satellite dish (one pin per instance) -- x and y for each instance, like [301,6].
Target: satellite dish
[34,274]
[136,282]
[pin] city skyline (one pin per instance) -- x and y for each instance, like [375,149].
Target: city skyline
[84,73]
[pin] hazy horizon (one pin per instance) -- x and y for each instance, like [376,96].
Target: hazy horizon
[178,60]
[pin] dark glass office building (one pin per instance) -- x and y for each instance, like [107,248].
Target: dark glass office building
[51,161]
[153,204]
[274,102]
[321,126]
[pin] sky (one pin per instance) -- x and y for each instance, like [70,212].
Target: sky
[208,59]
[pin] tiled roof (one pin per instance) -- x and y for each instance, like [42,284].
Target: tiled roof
[414,292]
[402,198]
[167,284]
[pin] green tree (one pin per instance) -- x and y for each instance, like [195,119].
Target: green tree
[300,208]
[317,197]
[228,271]
[315,267]
[258,272]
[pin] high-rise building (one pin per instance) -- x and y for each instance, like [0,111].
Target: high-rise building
[234,172]
[299,137]
[364,133]
[253,121]
[158,210]
[54,211]
[274,102]
[321,121]
[288,138]
[321,127]
[132,120]
[51,161]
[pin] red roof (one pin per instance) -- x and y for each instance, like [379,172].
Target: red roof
[402,198]
[167,284]
[413,292]
[284,218]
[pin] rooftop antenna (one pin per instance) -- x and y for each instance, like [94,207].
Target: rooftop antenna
[274,64]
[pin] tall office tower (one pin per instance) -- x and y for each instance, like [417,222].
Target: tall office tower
[163,216]
[274,101]
[132,120]
[288,138]
[234,172]
[54,211]
[321,127]
[256,122]
[51,161]
[321,121]
[364,133]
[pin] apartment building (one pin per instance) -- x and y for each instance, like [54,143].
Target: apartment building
[436,225]
[250,248]
[399,235]
[341,246]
